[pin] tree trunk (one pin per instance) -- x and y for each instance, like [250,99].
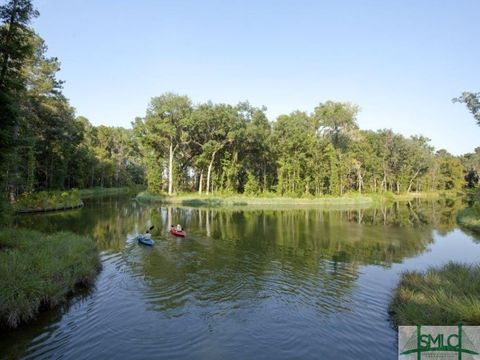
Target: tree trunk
[411,181]
[170,170]
[200,183]
[209,172]
[264,178]
[360,181]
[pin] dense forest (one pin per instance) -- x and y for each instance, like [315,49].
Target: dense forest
[178,146]
[219,147]
[43,145]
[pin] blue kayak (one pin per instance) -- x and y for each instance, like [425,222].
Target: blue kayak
[142,239]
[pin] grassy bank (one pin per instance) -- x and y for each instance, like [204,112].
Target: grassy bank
[48,201]
[470,218]
[62,200]
[216,200]
[39,271]
[100,191]
[440,296]
[242,200]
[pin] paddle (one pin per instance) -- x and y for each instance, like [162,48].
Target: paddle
[151,228]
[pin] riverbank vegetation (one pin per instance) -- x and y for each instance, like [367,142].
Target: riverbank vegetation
[48,201]
[205,148]
[445,295]
[220,148]
[100,191]
[218,200]
[39,271]
[469,218]
[43,145]
[271,198]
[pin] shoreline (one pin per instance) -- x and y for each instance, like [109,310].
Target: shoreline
[69,262]
[50,209]
[219,200]
[91,193]
[469,218]
[441,295]
[56,200]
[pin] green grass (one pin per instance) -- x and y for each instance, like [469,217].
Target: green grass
[470,218]
[440,296]
[218,200]
[39,271]
[101,191]
[48,200]
[38,201]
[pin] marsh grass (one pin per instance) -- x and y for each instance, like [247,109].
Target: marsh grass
[39,271]
[230,199]
[445,295]
[48,200]
[101,191]
[470,217]
[219,200]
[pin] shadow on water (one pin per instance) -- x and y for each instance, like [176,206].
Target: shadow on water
[272,270]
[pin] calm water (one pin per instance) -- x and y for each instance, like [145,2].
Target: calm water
[244,284]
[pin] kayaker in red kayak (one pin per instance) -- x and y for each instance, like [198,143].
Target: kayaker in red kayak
[177,231]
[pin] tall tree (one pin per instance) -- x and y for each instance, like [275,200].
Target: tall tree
[164,126]
[336,120]
[472,101]
[14,36]
[15,16]
[211,128]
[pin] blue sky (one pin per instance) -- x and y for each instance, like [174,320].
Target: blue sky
[400,61]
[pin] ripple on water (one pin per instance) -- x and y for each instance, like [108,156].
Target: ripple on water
[228,295]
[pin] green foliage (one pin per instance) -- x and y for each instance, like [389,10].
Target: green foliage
[252,186]
[450,172]
[15,48]
[43,146]
[471,164]
[40,271]
[178,146]
[99,191]
[48,200]
[337,121]
[267,199]
[220,147]
[6,213]
[470,217]
[472,101]
[440,296]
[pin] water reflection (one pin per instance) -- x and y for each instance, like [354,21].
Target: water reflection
[273,275]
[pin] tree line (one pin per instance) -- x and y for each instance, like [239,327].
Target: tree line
[178,146]
[235,149]
[43,145]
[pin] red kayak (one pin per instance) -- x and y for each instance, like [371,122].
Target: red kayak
[180,233]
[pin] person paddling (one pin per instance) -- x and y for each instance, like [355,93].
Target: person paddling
[148,235]
[177,230]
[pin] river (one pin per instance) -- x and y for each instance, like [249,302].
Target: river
[246,283]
